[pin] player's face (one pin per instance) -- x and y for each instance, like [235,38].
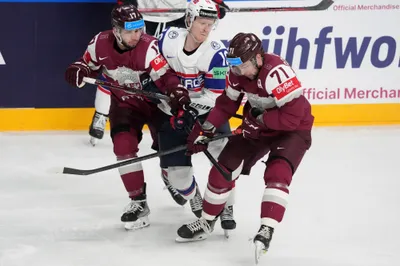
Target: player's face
[248,69]
[201,28]
[131,37]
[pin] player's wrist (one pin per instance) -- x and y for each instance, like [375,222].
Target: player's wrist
[208,127]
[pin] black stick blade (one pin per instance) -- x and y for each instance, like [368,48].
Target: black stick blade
[74,171]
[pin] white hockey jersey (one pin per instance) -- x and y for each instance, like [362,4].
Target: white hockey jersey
[203,73]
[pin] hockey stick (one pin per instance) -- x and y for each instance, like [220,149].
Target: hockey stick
[225,174]
[124,89]
[74,171]
[134,91]
[323,5]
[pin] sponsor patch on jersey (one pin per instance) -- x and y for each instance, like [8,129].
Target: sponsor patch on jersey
[215,45]
[158,62]
[173,34]
[219,72]
[285,88]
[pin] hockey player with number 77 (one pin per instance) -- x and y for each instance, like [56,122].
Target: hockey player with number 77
[277,119]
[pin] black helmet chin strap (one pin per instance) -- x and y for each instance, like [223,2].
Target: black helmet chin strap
[253,61]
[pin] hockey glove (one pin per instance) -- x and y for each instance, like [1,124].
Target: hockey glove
[252,124]
[76,72]
[185,119]
[196,137]
[179,99]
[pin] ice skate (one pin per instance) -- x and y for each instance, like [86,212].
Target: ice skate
[262,241]
[136,214]
[227,221]
[195,231]
[96,129]
[174,193]
[196,204]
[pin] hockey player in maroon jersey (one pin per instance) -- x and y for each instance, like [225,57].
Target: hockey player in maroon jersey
[127,56]
[277,119]
[154,25]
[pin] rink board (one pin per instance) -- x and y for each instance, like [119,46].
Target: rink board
[80,118]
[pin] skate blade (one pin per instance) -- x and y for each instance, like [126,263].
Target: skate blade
[197,238]
[226,233]
[259,251]
[93,141]
[138,224]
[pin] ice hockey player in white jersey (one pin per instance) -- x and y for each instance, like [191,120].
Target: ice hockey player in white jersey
[201,65]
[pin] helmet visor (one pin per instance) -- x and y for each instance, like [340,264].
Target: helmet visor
[237,67]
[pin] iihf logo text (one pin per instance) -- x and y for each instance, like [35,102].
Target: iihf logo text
[324,48]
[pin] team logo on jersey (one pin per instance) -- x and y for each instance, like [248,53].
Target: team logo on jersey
[215,45]
[126,76]
[173,34]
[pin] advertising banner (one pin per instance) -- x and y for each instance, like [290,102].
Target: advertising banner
[349,54]
[346,57]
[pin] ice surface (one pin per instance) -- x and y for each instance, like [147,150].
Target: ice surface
[343,208]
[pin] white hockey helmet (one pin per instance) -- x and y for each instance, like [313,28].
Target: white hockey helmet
[200,8]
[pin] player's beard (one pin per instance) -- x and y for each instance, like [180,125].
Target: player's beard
[127,46]
[121,41]
[258,68]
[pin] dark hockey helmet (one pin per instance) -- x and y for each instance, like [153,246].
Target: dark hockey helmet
[243,47]
[127,17]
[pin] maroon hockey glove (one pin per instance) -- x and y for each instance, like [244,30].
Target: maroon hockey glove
[76,72]
[194,144]
[185,119]
[179,99]
[252,124]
